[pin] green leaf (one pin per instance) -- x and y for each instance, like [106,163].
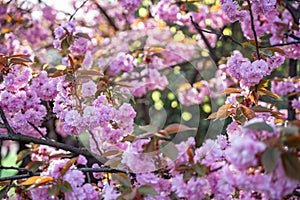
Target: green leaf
[3,191]
[66,187]
[65,44]
[69,77]
[270,159]
[83,35]
[192,7]
[122,179]
[200,169]
[23,154]
[147,190]
[169,150]
[261,126]
[35,165]
[53,191]
[291,165]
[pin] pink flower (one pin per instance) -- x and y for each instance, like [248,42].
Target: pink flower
[88,89]
[243,150]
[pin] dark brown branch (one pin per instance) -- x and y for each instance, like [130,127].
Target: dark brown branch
[30,174]
[20,169]
[292,73]
[295,12]
[279,45]
[108,18]
[16,177]
[105,170]
[212,53]
[221,35]
[4,119]
[71,17]
[37,129]
[253,29]
[28,139]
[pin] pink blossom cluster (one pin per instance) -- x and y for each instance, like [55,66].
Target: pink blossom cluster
[130,5]
[65,37]
[234,13]
[249,73]
[267,19]
[21,95]
[74,177]
[99,116]
[193,95]
[134,154]
[233,165]
[152,80]
[296,103]
[285,86]
[230,8]
[122,62]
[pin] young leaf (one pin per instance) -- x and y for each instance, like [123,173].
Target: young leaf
[83,35]
[113,162]
[264,91]
[174,128]
[261,126]
[169,150]
[23,154]
[122,179]
[111,153]
[3,191]
[231,90]
[291,165]
[147,190]
[270,159]
[36,180]
[66,187]
[249,113]
[53,191]
[68,165]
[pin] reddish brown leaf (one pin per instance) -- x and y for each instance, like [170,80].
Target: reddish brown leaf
[36,180]
[264,91]
[231,90]
[68,165]
[248,112]
[174,128]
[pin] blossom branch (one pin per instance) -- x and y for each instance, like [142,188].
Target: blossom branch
[108,18]
[279,45]
[210,49]
[295,12]
[28,139]
[6,124]
[292,73]
[30,173]
[20,176]
[221,35]
[253,30]
[71,17]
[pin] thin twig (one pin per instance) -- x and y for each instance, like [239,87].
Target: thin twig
[4,119]
[253,30]
[71,17]
[108,18]
[94,138]
[212,53]
[106,170]
[221,35]
[279,45]
[36,128]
